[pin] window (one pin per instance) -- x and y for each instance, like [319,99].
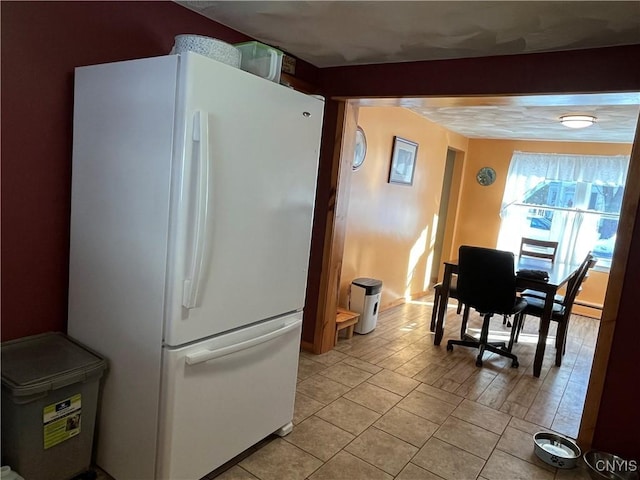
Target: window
[572,199]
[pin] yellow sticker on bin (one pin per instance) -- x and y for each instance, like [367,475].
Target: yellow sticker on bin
[62,420]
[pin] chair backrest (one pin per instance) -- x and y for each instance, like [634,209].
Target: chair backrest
[573,287]
[592,263]
[486,279]
[531,247]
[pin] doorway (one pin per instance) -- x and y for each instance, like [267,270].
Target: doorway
[445,200]
[610,310]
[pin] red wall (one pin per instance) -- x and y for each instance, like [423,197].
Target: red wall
[42,42]
[594,70]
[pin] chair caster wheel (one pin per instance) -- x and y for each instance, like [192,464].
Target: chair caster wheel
[515,364]
[449,348]
[478,363]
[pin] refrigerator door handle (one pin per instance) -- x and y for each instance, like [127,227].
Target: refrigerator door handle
[193,280]
[206,355]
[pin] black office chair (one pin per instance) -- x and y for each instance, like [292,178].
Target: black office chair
[487,283]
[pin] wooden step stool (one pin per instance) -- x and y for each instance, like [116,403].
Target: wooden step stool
[345,319]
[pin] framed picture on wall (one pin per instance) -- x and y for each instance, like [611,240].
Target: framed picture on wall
[403,161]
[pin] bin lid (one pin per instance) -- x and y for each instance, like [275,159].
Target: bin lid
[48,361]
[367,282]
[371,285]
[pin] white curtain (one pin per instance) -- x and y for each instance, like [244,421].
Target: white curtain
[573,229]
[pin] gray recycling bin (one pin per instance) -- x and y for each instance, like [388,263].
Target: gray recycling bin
[50,386]
[364,298]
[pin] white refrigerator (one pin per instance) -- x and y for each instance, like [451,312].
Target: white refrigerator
[193,187]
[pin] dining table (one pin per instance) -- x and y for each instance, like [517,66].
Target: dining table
[559,274]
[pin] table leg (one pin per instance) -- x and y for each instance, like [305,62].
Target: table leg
[545,321]
[442,304]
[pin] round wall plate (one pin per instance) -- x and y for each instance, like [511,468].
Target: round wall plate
[360,150]
[486,176]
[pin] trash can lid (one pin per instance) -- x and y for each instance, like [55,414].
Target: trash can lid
[44,362]
[367,282]
[371,285]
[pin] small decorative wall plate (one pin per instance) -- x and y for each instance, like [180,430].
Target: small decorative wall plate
[486,176]
[361,149]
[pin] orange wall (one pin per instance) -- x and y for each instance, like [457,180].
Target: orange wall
[479,220]
[478,217]
[390,227]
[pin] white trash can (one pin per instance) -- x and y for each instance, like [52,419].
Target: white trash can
[364,298]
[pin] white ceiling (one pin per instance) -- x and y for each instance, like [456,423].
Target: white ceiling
[534,117]
[337,33]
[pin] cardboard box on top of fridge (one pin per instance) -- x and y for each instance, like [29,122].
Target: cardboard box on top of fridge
[261,60]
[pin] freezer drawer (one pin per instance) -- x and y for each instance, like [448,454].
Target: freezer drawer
[223,395]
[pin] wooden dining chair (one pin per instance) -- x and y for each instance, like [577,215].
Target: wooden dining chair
[531,247]
[559,298]
[545,249]
[562,308]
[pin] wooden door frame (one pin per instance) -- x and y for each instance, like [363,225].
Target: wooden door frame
[340,159]
[604,342]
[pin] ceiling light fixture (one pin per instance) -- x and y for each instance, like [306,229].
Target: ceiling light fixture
[577,121]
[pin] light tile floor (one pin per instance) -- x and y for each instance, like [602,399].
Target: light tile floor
[390,404]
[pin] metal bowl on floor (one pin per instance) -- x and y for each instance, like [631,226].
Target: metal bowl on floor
[607,466]
[556,450]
